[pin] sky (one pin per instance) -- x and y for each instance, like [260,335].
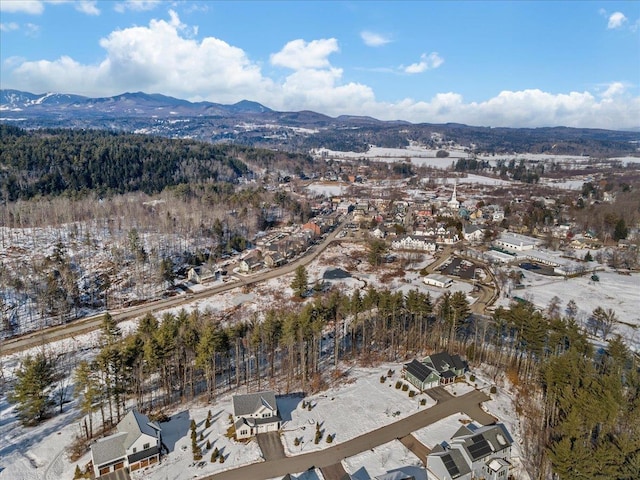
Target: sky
[502,63]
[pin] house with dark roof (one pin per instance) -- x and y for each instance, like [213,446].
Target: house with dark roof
[473,452]
[437,369]
[135,445]
[255,413]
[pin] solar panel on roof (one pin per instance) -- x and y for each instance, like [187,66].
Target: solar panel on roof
[452,468]
[480,448]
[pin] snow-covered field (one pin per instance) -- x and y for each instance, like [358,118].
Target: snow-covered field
[327,189]
[615,291]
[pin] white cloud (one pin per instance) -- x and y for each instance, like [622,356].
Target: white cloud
[613,90]
[372,39]
[136,5]
[616,20]
[33,7]
[88,7]
[298,54]
[9,27]
[433,60]
[162,58]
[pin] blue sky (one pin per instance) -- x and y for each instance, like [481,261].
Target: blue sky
[501,63]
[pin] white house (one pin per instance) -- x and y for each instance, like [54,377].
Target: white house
[255,413]
[472,452]
[473,233]
[437,280]
[414,243]
[136,445]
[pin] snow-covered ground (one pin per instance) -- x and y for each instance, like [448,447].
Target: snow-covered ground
[370,403]
[613,290]
[327,189]
[392,456]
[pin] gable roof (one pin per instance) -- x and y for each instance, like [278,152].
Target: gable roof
[109,449]
[486,441]
[418,370]
[454,462]
[135,424]
[250,403]
[443,361]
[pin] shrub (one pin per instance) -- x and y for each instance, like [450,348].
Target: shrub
[405,387]
[383,379]
[208,445]
[78,473]
[493,389]
[423,402]
[304,404]
[221,458]
[215,454]
[296,441]
[201,436]
[398,384]
[389,373]
[193,425]
[472,378]
[412,394]
[330,438]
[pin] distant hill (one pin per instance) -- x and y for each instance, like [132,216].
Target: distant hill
[251,123]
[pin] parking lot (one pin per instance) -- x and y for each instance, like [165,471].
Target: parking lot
[458,267]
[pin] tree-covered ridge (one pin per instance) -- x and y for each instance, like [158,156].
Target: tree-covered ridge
[59,161]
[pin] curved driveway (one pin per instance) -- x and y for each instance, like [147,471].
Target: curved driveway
[468,403]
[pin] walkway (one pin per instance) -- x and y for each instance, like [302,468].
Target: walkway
[468,403]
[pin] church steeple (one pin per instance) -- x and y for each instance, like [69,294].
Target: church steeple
[454,203]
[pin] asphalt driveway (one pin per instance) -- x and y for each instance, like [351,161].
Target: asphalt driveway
[271,446]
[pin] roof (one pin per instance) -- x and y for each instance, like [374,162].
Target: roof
[438,278]
[108,449]
[443,361]
[250,403]
[135,424]
[454,462]
[486,441]
[497,463]
[418,370]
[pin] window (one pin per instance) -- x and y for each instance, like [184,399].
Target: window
[243,432]
[145,446]
[135,449]
[266,415]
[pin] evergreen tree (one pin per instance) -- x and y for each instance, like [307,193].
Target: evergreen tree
[620,231]
[300,281]
[31,391]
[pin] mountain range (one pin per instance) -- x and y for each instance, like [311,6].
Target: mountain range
[251,123]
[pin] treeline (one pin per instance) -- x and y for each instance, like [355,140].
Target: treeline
[58,161]
[579,407]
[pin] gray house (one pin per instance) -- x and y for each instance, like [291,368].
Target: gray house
[136,445]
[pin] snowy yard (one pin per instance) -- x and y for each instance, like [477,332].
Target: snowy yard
[370,404]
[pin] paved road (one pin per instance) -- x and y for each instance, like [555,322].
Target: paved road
[93,323]
[468,403]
